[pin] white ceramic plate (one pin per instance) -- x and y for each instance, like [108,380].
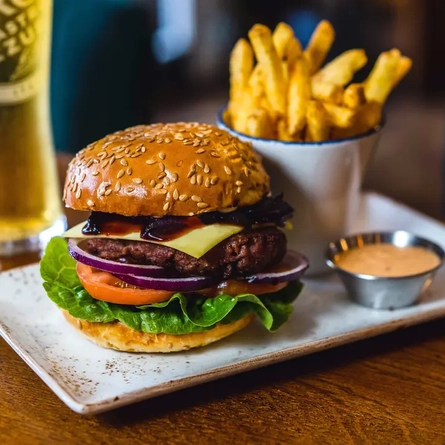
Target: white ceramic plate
[90,379]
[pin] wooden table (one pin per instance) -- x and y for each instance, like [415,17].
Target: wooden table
[387,390]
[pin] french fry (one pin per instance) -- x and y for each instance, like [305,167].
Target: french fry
[259,124]
[339,116]
[367,117]
[383,76]
[341,70]
[241,65]
[354,96]
[282,132]
[256,82]
[317,122]
[281,36]
[261,40]
[403,67]
[242,108]
[327,92]
[264,103]
[319,45]
[292,53]
[299,94]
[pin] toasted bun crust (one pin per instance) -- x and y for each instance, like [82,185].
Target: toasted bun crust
[116,335]
[165,169]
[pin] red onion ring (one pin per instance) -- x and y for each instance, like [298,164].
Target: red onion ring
[297,262]
[113,267]
[187,284]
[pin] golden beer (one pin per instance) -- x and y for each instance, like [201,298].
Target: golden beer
[29,189]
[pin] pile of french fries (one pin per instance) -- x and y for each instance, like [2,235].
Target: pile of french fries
[288,95]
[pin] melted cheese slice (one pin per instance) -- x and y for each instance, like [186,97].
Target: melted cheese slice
[196,242]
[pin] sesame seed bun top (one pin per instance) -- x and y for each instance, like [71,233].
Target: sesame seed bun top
[178,169]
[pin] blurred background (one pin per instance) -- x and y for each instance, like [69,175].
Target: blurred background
[118,63]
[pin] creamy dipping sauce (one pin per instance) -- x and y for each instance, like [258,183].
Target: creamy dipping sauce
[387,260]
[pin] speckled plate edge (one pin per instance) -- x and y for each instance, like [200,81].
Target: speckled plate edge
[224,371]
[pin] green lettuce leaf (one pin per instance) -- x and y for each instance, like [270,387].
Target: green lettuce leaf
[180,315]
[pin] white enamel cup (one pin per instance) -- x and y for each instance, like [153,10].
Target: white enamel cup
[321,181]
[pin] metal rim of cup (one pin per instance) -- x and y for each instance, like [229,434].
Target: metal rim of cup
[378,129]
[387,237]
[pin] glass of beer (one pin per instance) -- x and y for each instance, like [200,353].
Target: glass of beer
[30,204]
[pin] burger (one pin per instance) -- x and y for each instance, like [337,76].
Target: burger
[184,243]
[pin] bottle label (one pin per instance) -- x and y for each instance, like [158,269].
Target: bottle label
[19,58]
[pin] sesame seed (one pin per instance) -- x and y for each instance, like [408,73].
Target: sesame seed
[246,171]
[179,137]
[179,163]
[207,132]
[205,142]
[135,155]
[175,194]
[90,203]
[191,173]
[174,177]
[162,175]
[206,168]
[152,182]
[214,154]
[238,190]
[227,170]
[200,135]
[159,141]
[196,142]
[108,192]
[199,151]
[129,189]
[112,160]
[161,155]
[183,197]
[120,173]
[75,187]
[161,167]
[196,198]
[218,133]
[193,180]
[124,162]
[214,180]
[158,186]
[207,183]
[199,179]
[143,149]
[167,141]
[117,187]
[137,180]
[129,171]
[82,177]
[163,191]
[187,143]
[105,164]
[200,164]
[166,206]
[202,205]
[89,163]
[239,183]
[100,193]
[78,193]
[151,161]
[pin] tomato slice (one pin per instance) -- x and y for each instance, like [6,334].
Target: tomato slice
[105,287]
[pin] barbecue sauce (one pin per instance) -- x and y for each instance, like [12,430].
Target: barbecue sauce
[268,210]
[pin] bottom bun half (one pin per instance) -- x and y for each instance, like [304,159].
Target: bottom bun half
[116,335]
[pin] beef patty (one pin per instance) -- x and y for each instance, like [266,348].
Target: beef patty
[243,254]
